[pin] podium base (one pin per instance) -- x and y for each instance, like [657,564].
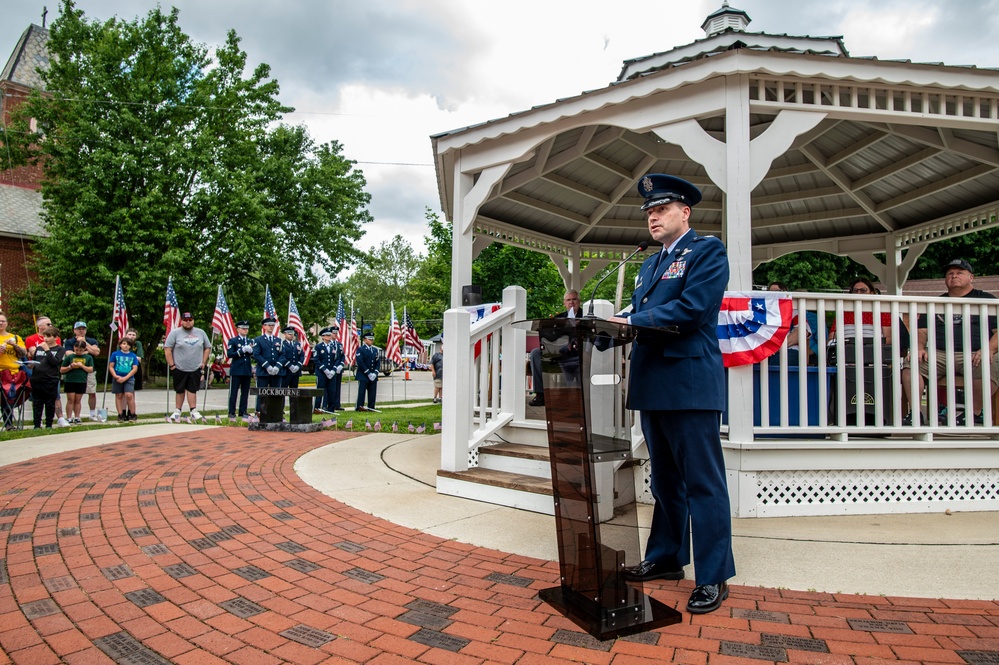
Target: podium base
[648,614]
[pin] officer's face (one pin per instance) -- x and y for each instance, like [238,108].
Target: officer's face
[242,331]
[668,221]
[290,336]
[327,337]
[268,328]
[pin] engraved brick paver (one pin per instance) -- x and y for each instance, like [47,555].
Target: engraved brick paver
[205,547]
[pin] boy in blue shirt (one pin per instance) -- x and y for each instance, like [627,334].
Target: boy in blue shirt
[123,365]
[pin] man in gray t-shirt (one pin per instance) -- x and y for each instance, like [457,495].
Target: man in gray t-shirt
[187,349]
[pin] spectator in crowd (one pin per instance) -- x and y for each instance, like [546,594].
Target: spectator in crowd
[43,323]
[123,365]
[77,365]
[239,350]
[861,286]
[48,352]
[93,349]
[11,351]
[132,335]
[573,310]
[437,367]
[186,349]
[959,278]
[792,339]
[367,373]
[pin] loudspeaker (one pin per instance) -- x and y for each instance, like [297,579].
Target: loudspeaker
[471,295]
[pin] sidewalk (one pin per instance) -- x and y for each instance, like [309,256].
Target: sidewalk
[210,545]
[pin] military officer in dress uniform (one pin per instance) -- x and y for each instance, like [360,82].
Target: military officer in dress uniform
[367,373]
[239,350]
[330,362]
[267,355]
[678,385]
[292,359]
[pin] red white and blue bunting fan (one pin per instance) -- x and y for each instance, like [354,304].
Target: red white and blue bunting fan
[752,325]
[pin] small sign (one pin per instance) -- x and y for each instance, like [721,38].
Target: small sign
[791,642]
[307,635]
[512,580]
[757,651]
[871,626]
[290,547]
[145,597]
[242,607]
[362,575]
[302,566]
[179,570]
[118,572]
[251,573]
[123,648]
[158,549]
[433,638]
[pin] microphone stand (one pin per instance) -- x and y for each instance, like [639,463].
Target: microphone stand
[642,246]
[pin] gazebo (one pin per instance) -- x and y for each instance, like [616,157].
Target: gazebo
[796,145]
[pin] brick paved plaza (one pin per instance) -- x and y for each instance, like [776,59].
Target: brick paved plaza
[204,546]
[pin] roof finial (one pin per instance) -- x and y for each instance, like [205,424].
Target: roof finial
[45,12]
[726,18]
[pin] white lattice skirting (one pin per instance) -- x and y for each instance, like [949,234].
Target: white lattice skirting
[791,492]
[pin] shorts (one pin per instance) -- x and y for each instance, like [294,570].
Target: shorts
[438,383]
[72,388]
[121,388]
[958,364]
[92,383]
[189,382]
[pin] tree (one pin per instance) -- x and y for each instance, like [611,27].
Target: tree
[384,278]
[809,271]
[159,162]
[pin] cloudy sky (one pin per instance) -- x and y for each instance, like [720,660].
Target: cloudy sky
[381,76]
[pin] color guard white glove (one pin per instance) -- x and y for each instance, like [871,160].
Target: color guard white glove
[372,376]
[272,370]
[247,348]
[329,373]
[294,368]
[339,368]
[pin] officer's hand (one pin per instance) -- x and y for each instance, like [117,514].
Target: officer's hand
[372,376]
[272,370]
[293,368]
[328,373]
[247,348]
[339,368]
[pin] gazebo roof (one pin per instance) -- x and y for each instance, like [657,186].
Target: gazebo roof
[900,152]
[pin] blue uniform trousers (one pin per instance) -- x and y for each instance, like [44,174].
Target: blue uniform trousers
[241,385]
[688,484]
[368,387]
[330,399]
[266,381]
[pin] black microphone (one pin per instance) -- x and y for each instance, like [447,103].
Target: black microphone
[642,246]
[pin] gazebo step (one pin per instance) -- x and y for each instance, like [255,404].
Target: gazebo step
[505,479]
[499,487]
[516,450]
[516,458]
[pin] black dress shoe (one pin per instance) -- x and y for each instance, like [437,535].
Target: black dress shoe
[539,400]
[707,598]
[649,570]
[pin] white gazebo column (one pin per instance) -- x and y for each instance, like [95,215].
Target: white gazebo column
[469,195]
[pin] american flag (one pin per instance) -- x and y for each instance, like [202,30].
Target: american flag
[378,426]
[222,321]
[119,317]
[295,321]
[395,426]
[353,341]
[410,334]
[349,425]
[392,351]
[341,321]
[269,309]
[421,429]
[411,428]
[171,310]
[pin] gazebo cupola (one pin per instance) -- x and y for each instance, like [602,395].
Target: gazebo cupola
[726,18]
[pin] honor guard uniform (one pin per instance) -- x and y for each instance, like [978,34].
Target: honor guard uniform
[267,355]
[293,357]
[239,350]
[367,373]
[329,359]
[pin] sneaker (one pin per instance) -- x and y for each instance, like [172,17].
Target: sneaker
[122,418]
[62,422]
[175,416]
[132,418]
[978,420]
[93,415]
[907,420]
[76,421]
[195,414]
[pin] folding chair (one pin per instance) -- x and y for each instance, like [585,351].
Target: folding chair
[15,389]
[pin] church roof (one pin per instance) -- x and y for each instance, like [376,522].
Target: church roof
[20,212]
[29,56]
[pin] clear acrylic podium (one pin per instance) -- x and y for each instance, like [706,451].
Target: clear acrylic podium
[589,443]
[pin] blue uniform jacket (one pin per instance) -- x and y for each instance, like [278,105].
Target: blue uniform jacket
[292,354]
[241,365]
[328,356]
[367,359]
[680,371]
[267,353]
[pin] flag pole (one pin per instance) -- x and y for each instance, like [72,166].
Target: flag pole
[114,326]
[167,334]
[208,369]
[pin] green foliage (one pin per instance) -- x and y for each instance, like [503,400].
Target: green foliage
[809,271]
[980,248]
[499,266]
[384,278]
[431,287]
[162,160]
